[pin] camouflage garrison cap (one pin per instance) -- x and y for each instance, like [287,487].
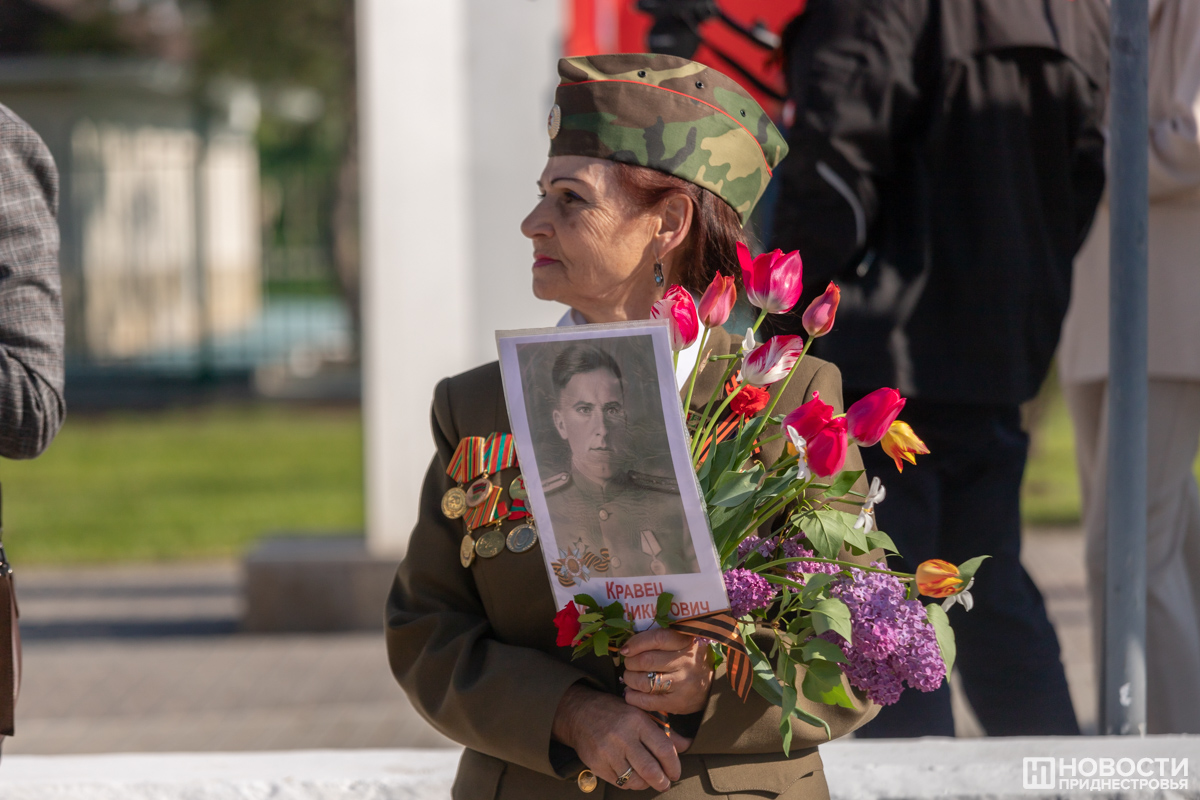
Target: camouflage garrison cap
[669,114]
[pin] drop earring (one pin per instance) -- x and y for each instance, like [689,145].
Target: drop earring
[658,276]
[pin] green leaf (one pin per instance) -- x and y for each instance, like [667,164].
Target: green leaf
[786,707]
[614,609]
[815,584]
[967,569]
[822,649]
[600,644]
[823,684]
[734,488]
[586,618]
[769,688]
[832,614]
[856,541]
[662,606]
[945,634]
[776,484]
[587,601]
[619,622]
[879,539]
[827,529]
[782,581]
[845,482]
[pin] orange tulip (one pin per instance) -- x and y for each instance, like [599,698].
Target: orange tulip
[902,444]
[937,578]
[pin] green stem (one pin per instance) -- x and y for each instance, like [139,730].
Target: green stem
[712,398]
[759,321]
[687,404]
[716,416]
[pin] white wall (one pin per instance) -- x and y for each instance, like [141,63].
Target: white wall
[454,98]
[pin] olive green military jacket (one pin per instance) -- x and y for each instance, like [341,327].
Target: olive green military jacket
[474,648]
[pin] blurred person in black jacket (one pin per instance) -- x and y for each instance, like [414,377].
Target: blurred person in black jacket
[947,157]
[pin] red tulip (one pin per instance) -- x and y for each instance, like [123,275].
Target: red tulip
[818,317]
[679,310]
[772,280]
[809,418]
[870,417]
[749,401]
[771,361]
[827,448]
[718,300]
[567,622]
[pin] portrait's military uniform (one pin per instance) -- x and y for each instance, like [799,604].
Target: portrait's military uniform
[637,517]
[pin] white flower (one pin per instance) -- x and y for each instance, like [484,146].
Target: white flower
[866,517]
[963,596]
[748,343]
[802,452]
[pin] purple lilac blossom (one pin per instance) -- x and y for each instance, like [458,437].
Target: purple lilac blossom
[893,642]
[794,549]
[765,547]
[747,591]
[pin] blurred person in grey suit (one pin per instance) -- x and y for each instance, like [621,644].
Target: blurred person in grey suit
[31,316]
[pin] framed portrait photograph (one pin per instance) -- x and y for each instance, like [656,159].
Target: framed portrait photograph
[598,425]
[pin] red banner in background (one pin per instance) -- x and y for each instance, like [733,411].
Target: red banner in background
[616,26]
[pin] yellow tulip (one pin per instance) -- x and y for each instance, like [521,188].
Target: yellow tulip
[902,444]
[937,578]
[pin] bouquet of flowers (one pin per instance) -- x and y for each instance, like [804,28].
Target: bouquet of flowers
[810,602]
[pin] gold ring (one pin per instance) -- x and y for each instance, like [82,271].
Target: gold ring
[624,777]
[659,684]
[586,781]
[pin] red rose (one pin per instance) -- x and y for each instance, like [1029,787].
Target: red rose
[749,401]
[567,622]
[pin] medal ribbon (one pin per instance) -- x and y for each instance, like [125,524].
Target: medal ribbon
[722,628]
[499,453]
[467,462]
[485,512]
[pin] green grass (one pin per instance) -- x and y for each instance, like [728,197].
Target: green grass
[183,484]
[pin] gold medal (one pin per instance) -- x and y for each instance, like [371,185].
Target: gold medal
[517,490]
[522,538]
[478,491]
[586,781]
[466,550]
[490,544]
[454,503]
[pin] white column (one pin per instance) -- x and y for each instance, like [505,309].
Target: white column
[514,51]
[415,283]
[453,96]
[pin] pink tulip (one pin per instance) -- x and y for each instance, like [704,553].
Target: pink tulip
[773,280]
[870,418]
[772,360]
[809,418]
[818,317]
[679,310]
[717,301]
[827,449]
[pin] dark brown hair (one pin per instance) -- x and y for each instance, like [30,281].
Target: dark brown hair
[711,244]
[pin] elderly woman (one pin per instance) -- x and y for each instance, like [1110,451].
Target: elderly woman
[655,164]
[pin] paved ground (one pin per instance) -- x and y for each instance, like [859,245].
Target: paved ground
[149,659]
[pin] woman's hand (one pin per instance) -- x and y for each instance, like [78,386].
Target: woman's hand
[610,737]
[674,657]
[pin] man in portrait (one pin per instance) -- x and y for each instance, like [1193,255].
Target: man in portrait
[601,505]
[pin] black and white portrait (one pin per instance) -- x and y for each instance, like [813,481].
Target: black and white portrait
[614,496]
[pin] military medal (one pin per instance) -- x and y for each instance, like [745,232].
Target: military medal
[454,503]
[466,550]
[478,491]
[516,489]
[522,538]
[490,544]
[586,781]
[484,513]
[499,453]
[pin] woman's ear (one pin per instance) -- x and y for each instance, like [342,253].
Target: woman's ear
[675,214]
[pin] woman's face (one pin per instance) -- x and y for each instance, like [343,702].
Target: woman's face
[591,250]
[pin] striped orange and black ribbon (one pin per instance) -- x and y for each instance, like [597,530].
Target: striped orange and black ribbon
[722,628]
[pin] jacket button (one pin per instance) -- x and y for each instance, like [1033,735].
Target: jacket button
[604,515]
